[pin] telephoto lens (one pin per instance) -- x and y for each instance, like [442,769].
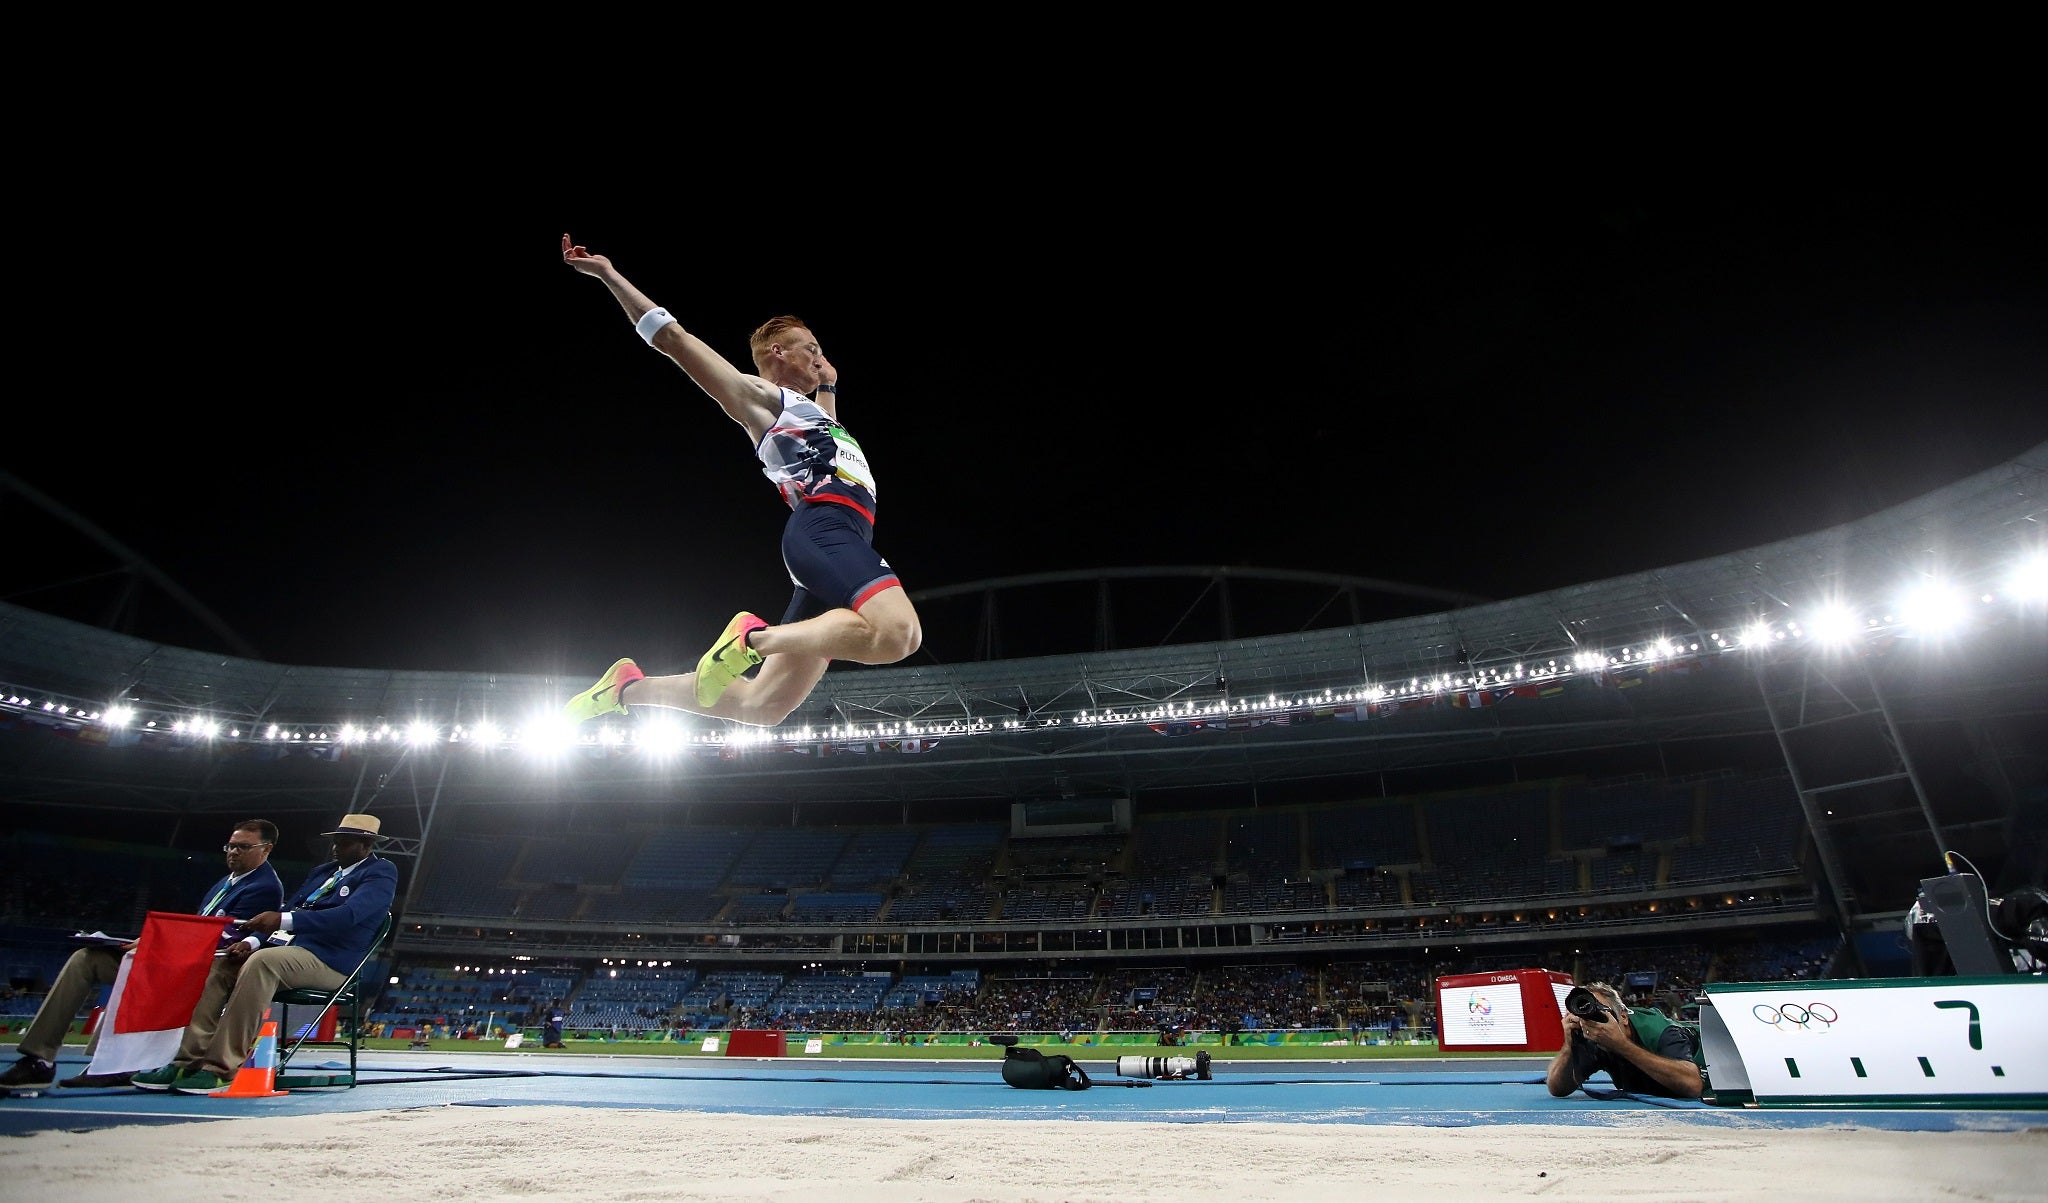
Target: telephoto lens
[1164,1068]
[1585,1004]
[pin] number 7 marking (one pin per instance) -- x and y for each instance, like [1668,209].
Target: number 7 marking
[1976,1029]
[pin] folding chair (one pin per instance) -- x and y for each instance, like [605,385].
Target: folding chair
[348,997]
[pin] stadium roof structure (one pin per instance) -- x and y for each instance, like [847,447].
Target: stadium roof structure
[1690,667]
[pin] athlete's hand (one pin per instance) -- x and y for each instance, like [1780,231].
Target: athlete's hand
[827,374]
[580,258]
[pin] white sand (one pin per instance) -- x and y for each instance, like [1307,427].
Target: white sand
[578,1153]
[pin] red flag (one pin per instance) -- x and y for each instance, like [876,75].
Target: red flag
[171,964]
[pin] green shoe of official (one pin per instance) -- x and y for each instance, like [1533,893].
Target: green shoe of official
[157,1079]
[198,1081]
[729,658]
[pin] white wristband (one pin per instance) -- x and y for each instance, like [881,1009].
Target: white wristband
[651,322]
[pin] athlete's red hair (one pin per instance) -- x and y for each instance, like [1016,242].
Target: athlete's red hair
[769,334]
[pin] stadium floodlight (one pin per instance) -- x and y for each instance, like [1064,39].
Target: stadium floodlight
[421,733]
[1933,608]
[661,737]
[2028,582]
[120,716]
[548,734]
[1832,625]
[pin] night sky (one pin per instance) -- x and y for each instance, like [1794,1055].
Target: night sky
[410,437]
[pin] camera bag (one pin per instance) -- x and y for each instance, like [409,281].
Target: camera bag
[1029,1069]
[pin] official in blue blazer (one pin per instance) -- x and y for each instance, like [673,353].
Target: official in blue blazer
[319,937]
[252,885]
[250,888]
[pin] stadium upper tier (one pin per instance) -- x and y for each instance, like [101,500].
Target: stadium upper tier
[1547,674]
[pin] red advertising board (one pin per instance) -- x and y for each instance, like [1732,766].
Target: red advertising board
[744,1042]
[1513,1011]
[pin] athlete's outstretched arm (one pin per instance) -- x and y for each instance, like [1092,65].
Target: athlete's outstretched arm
[746,399]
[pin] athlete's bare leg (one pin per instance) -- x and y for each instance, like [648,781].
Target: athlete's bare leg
[884,630]
[762,700]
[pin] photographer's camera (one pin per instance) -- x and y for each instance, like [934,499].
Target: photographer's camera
[1587,1005]
[1168,1069]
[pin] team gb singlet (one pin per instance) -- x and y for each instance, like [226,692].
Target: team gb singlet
[811,457]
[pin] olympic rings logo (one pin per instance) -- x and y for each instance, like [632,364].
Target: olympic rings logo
[1811,1017]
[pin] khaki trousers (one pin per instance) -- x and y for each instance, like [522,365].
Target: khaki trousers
[84,972]
[229,1017]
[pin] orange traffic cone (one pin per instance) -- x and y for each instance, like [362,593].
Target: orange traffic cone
[256,1079]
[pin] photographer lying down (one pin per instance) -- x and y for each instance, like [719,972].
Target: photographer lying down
[1643,1052]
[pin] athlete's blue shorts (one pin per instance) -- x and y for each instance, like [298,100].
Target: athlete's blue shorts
[829,551]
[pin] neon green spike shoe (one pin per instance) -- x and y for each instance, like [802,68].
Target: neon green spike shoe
[607,696]
[729,658]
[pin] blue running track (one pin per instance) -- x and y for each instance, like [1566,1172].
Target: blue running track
[1422,1092]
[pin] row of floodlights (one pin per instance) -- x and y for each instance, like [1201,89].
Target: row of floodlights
[1931,610]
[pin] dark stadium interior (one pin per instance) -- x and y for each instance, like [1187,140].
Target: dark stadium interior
[1218,834]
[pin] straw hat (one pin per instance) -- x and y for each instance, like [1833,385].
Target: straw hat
[366,827]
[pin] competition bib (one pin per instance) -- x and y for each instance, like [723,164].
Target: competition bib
[851,464]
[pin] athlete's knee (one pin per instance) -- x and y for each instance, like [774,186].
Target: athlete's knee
[897,636]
